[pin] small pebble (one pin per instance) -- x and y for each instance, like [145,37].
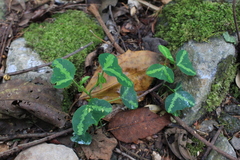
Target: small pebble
[133,146]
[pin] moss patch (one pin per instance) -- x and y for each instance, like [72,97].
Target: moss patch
[196,147]
[184,20]
[68,32]
[220,87]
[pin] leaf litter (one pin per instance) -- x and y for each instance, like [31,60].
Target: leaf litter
[20,106]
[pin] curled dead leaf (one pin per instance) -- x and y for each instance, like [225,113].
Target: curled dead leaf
[134,64]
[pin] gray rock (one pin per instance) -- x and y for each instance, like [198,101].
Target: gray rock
[232,109]
[208,126]
[20,57]
[223,144]
[206,58]
[235,142]
[47,152]
[231,124]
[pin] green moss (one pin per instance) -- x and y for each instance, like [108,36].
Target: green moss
[220,87]
[68,32]
[184,20]
[196,147]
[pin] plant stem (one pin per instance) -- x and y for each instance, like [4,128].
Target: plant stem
[169,88]
[82,88]
[114,99]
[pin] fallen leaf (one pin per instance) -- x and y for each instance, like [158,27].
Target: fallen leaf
[129,126]
[101,146]
[3,147]
[134,65]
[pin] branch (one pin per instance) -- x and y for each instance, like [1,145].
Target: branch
[235,19]
[94,10]
[33,143]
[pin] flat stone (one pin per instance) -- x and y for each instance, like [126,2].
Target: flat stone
[47,152]
[205,57]
[207,126]
[235,142]
[20,57]
[232,109]
[231,124]
[223,144]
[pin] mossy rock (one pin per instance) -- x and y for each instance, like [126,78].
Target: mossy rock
[66,33]
[184,20]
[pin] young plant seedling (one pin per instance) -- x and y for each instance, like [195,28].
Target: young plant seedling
[96,109]
[179,99]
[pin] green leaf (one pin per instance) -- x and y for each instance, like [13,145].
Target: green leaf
[184,63]
[228,38]
[166,52]
[85,139]
[178,101]
[63,73]
[84,80]
[129,97]
[101,79]
[109,64]
[161,72]
[90,114]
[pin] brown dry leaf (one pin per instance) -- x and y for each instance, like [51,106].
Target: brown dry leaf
[129,126]
[38,98]
[134,65]
[3,147]
[101,146]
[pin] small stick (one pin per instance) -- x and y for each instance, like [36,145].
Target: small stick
[235,19]
[152,7]
[124,154]
[150,90]
[46,64]
[94,10]
[33,143]
[212,142]
[134,154]
[31,135]
[190,130]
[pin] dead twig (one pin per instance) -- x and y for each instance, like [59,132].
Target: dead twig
[33,143]
[235,19]
[31,135]
[122,153]
[150,90]
[46,64]
[94,10]
[134,154]
[190,130]
[4,39]
[212,142]
[147,4]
